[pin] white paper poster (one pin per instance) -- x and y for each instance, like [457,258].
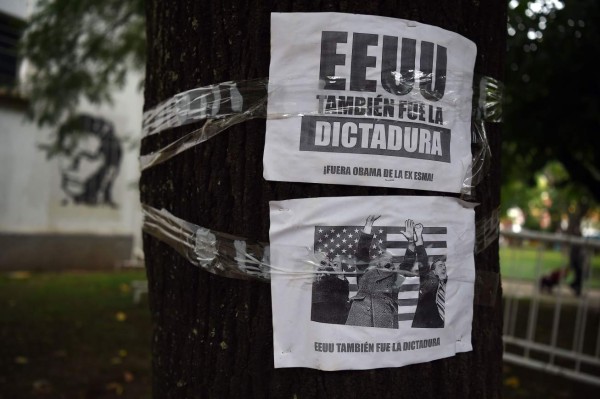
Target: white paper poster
[371,282]
[370,101]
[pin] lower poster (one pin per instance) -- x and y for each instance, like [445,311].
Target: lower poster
[371,282]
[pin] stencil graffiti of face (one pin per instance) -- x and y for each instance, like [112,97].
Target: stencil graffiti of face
[83,160]
[91,155]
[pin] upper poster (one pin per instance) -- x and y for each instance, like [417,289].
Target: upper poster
[370,101]
[371,282]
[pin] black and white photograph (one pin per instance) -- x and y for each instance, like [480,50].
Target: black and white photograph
[359,281]
[368,282]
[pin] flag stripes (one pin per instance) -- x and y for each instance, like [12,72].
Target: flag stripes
[430,258]
[406,317]
[404,244]
[407,302]
[408,287]
[333,241]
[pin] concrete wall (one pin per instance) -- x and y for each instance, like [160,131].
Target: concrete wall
[43,224]
[16,8]
[54,251]
[41,227]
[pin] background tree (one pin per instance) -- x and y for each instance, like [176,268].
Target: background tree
[552,107]
[213,336]
[552,202]
[79,50]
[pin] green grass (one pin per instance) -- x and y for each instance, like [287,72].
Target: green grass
[73,335]
[522,263]
[78,335]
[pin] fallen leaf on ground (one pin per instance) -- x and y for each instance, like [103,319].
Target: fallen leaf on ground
[512,382]
[128,376]
[122,353]
[19,275]
[42,387]
[21,360]
[120,316]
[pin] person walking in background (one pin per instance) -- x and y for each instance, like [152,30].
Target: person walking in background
[576,263]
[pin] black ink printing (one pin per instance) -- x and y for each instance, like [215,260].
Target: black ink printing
[393,82]
[360,253]
[379,137]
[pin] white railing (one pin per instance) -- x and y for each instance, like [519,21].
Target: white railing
[525,305]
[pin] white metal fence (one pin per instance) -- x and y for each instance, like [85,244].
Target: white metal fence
[548,327]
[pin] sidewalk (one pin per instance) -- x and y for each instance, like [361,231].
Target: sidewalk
[525,289]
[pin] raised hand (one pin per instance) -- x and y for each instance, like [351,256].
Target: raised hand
[409,230]
[369,223]
[419,234]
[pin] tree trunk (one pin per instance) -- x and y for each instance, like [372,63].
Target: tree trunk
[213,336]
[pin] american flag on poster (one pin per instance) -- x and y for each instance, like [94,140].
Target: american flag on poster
[333,241]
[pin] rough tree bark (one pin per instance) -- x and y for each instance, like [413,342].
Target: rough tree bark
[212,336]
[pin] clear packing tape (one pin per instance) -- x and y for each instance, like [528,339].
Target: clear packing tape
[218,253]
[220,106]
[232,256]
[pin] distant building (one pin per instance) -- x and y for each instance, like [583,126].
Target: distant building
[80,209]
